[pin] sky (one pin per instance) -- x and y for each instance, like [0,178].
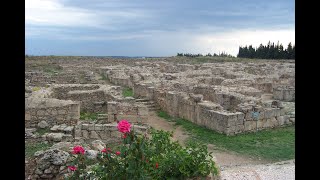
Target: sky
[154,28]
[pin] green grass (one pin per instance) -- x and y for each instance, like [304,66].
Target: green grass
[273,144]
[42,131]
[103,77]
[31,148]
[88,116]
[127,92]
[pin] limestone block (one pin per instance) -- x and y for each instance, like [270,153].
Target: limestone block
[274,122]
[40,112]
[62,111]
[269,113]
[239,128]
[240,116]
[280,120]
[248,116]
[249,125]
[90,127]
[43,124]
[277,112]
[110,127]
[55,128]
[85,134]
[94,135]
[105,134]
[292,120]
[98,127]
[27,117]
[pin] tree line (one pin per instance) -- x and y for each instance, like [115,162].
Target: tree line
[269,51]
[222,54]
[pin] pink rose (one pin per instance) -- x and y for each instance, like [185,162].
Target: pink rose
[124,126]
[72,168]
[118,153]
[78,150]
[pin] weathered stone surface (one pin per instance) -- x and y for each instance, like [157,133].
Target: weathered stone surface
[98,145]
[91,154]
[56,137]
[43,124]
[85,134]
[94,135]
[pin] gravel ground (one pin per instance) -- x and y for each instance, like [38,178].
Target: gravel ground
[277,171]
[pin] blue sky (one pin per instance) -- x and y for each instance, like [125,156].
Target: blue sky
[154,28]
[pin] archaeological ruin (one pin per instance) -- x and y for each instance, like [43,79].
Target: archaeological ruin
[228,97]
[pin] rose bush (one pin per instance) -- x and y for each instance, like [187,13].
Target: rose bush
[140,157]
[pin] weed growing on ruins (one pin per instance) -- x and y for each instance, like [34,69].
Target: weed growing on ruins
[164,115]
[42,131]
[272,144]
[88,116]
[36,88]
[141,157]
[127,92]
[103,77]
[32,147]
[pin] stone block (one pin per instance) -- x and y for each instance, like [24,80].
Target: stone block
[98,127]
[90,127]
[84,126]
[249,125]
[110,127]
[280,120]
[85,134]
[94,135]
[274,122]
[104,135]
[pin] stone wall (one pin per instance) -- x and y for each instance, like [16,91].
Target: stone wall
[130,111]
[53,111]
[92,97]
[212,114]
[284,93]
[90,100]
[108,133]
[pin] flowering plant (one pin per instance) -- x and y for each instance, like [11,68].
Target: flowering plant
[140,157]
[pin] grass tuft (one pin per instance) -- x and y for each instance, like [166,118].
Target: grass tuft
[127,92]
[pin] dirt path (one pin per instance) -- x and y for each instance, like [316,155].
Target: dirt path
[224,158]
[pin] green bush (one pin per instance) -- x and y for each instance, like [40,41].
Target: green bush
[141,157]
[88,116]
[127,92]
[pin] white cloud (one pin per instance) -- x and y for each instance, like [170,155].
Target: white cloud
[54,13]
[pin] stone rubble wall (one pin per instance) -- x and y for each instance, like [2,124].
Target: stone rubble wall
[108,133]
[284,93]
[90,100]
[129,110]
[67,112]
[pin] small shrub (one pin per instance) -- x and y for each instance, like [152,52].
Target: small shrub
[42,131]
[88,116]
[36,88]
[127,92]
